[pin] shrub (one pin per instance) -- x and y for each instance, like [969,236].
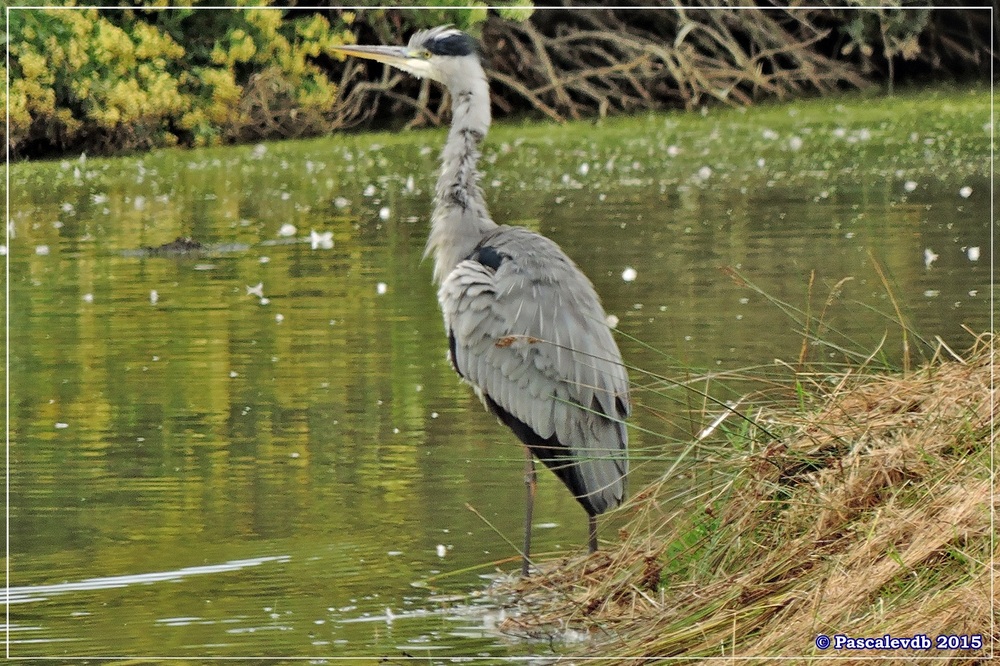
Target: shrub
[115,80]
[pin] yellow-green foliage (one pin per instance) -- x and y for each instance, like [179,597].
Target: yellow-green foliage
[74,71]
[264,41]
[149,75]
[115,80]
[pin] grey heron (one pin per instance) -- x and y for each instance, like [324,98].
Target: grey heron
[525,326]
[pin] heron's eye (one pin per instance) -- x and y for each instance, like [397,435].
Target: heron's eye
[424,54]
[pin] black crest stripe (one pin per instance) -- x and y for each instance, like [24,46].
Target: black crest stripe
[452,44]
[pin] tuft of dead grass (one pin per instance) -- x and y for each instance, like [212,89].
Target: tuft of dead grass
[869,515]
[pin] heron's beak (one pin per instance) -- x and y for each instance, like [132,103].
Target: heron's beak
[390,55]
[397,56]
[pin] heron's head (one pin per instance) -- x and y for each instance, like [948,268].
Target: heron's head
[444,54]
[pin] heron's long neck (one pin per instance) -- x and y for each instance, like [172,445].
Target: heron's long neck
[460,218]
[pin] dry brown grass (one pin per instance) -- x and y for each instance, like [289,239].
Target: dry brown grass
[871,514]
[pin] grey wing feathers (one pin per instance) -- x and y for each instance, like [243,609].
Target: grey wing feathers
[527,331]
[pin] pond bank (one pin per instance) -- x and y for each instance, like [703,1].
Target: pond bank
[868,516]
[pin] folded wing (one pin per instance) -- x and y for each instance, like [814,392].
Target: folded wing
[527,331]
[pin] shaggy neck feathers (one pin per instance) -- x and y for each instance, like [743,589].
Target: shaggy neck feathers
[460,219]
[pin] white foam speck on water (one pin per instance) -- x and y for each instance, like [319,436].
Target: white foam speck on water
[287,229]
[965,192]
[910,185]
[929,257]
[973,253]
[320,240]
[629,274]
[381,288]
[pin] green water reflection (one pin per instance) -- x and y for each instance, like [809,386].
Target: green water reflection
[202,466]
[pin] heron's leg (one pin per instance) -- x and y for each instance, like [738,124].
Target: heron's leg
[529,505]
[592,525]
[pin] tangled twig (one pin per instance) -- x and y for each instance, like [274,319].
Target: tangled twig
[572,64]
